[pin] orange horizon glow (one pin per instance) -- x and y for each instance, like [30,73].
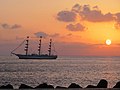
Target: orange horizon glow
[41,16]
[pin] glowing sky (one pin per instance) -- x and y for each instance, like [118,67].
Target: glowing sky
[78,27]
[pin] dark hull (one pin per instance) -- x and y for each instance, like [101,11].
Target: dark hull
[36,56]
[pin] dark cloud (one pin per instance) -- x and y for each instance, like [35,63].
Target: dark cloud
[43,34]
[92,15]
[117,25]
[66,16]
[95,15]
[55,35]
[76,27]
[95,7]
[15,26]
[87,13]
[7,26]
[117,17]
[76,8]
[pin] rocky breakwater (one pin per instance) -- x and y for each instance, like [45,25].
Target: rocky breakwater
[102,85]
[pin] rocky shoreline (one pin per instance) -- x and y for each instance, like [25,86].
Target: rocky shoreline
[103,84]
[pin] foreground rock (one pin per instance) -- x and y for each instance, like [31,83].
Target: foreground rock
[23,86]
[74,85]
[44,85]
[102,84]
[9,86]
[117,85]
[59,87]
[91,86]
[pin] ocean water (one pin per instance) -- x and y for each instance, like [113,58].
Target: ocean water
[62,71]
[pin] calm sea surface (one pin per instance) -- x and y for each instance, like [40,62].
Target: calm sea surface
[62,72]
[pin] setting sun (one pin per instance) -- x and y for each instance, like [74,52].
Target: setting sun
[108,42]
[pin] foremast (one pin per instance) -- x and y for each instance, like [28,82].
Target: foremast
[26,45]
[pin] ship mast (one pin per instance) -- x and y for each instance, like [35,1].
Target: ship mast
[49,50]
[26,45]
[39,47]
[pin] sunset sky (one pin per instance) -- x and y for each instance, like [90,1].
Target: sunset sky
[77,27]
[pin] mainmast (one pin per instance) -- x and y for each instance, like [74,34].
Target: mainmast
[26,45]
[39,47]
[49,50]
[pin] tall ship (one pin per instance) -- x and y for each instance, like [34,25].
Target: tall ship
[35,56]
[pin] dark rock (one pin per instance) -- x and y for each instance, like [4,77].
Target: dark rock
[91,86]
[74,85]
[50,86]
[44,85]
[102,84]
[23,86]
[9,86]
[117,85]
[59,87]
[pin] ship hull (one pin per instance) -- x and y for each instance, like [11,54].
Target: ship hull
[36,56]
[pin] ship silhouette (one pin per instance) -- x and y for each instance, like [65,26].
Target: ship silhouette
[35,56]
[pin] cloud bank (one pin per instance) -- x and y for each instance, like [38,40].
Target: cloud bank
[87,13]
[92,15]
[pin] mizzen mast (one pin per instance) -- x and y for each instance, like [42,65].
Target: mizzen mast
[39,47]
[49,50]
